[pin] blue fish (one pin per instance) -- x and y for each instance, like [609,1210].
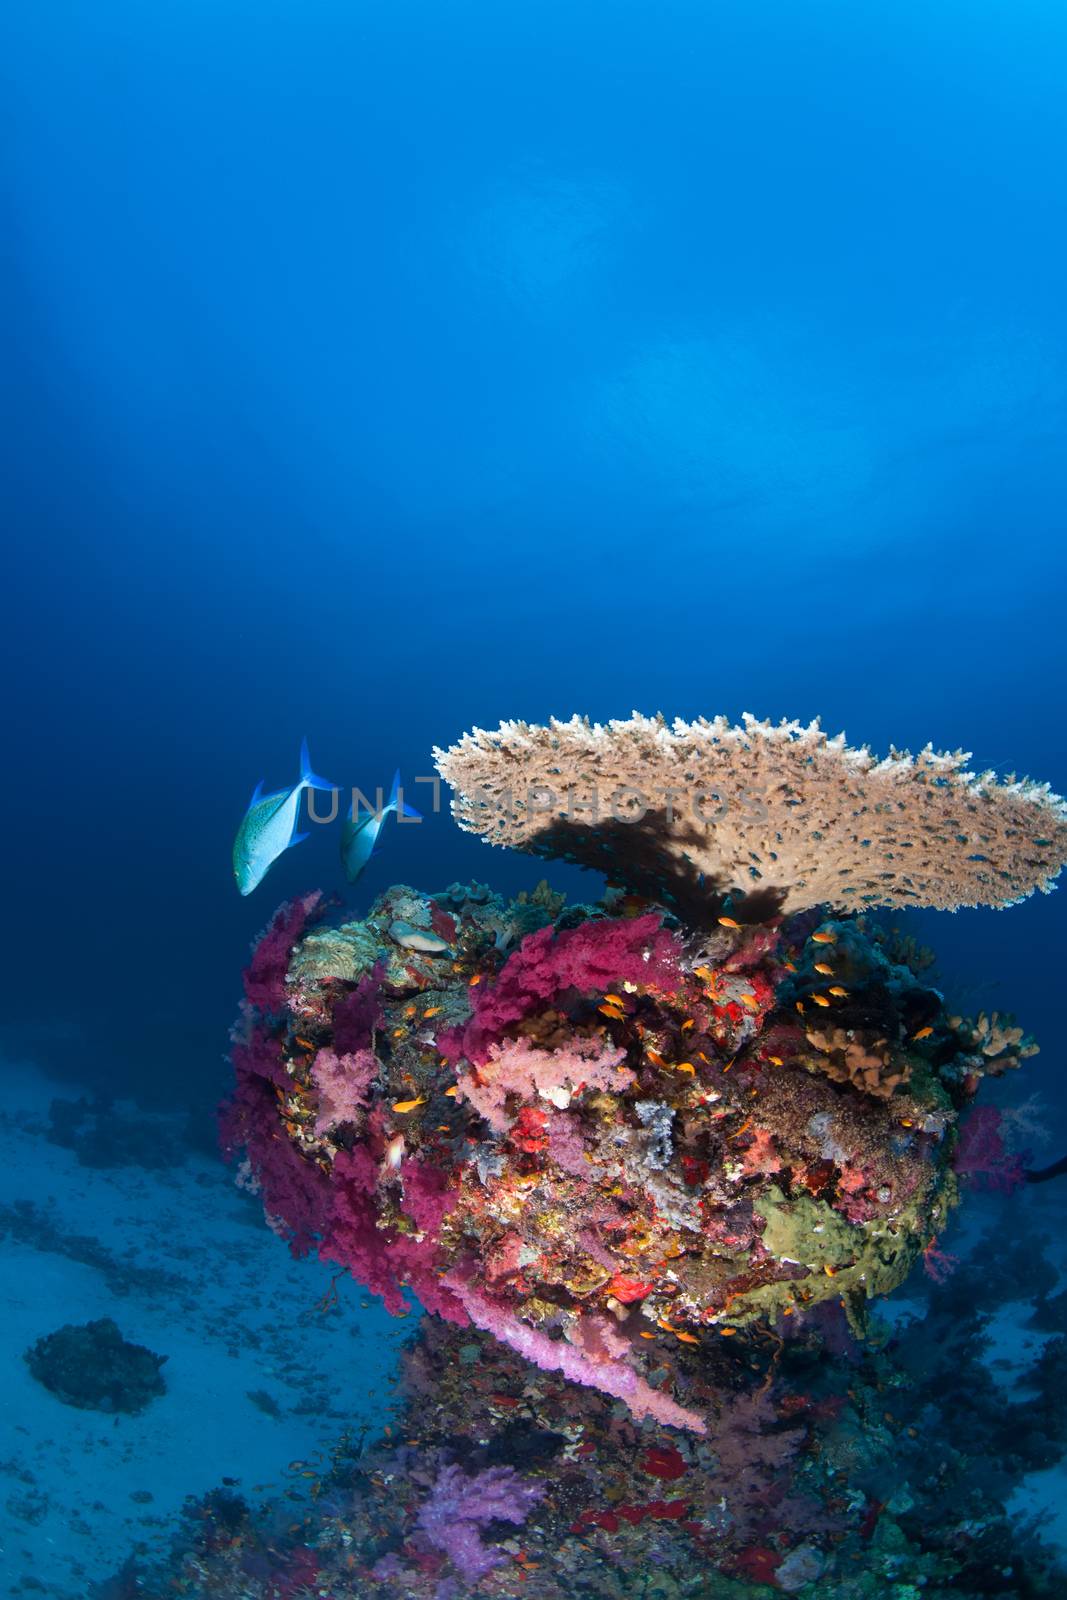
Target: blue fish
[269,826]
[360,833]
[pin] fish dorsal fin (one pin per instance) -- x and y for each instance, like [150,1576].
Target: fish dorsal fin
[308,777]
[395,802]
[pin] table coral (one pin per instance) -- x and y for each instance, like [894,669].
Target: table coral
[779,811]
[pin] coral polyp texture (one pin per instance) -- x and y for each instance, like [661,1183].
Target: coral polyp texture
[779,813]
[605,1138]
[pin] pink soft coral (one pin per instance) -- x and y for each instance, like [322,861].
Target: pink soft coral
[343,1083]
[614,1377]
[518,1067]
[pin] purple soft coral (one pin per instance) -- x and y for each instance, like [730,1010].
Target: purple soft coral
[458,1507]
[982,1155]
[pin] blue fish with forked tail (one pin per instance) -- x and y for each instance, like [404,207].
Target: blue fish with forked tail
[269,826]
[360,832]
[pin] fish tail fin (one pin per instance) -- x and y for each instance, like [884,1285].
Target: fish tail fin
[308,778]
[394,799]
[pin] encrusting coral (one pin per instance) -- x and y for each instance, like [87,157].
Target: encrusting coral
[619,1138]
[781,812]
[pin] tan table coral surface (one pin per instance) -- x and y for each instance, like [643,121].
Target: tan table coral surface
[779,813]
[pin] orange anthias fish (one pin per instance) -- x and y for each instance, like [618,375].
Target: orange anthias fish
[728,922]
[409,1105]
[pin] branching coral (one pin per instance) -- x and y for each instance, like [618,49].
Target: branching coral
[866,1062]
[999,1042]
[694,808]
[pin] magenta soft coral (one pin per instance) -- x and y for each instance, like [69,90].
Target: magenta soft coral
[590,958]
[296,1195]
[380,1258]
[264,977]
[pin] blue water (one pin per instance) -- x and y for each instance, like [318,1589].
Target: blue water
[373,372]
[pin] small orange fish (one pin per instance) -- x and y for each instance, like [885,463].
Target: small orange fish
[686,1338]
[655,1058]
[790,966]
[775,1061]
[431,1012]
[799,1004]
[838,991]
[614,1012]
[614,999]
[688,1023]
[451,1093]
[728,922]
[648,1335]
[409,1011]
[305,1044]
[705,973]
[685,1066]
[820,1000]
[824,967]
[398,1033]
[750,1002]
[923,1033]
[824,937]
[476,979]
[409,1105]
[727,1333]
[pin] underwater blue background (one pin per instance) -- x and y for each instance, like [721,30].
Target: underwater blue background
[377,371]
